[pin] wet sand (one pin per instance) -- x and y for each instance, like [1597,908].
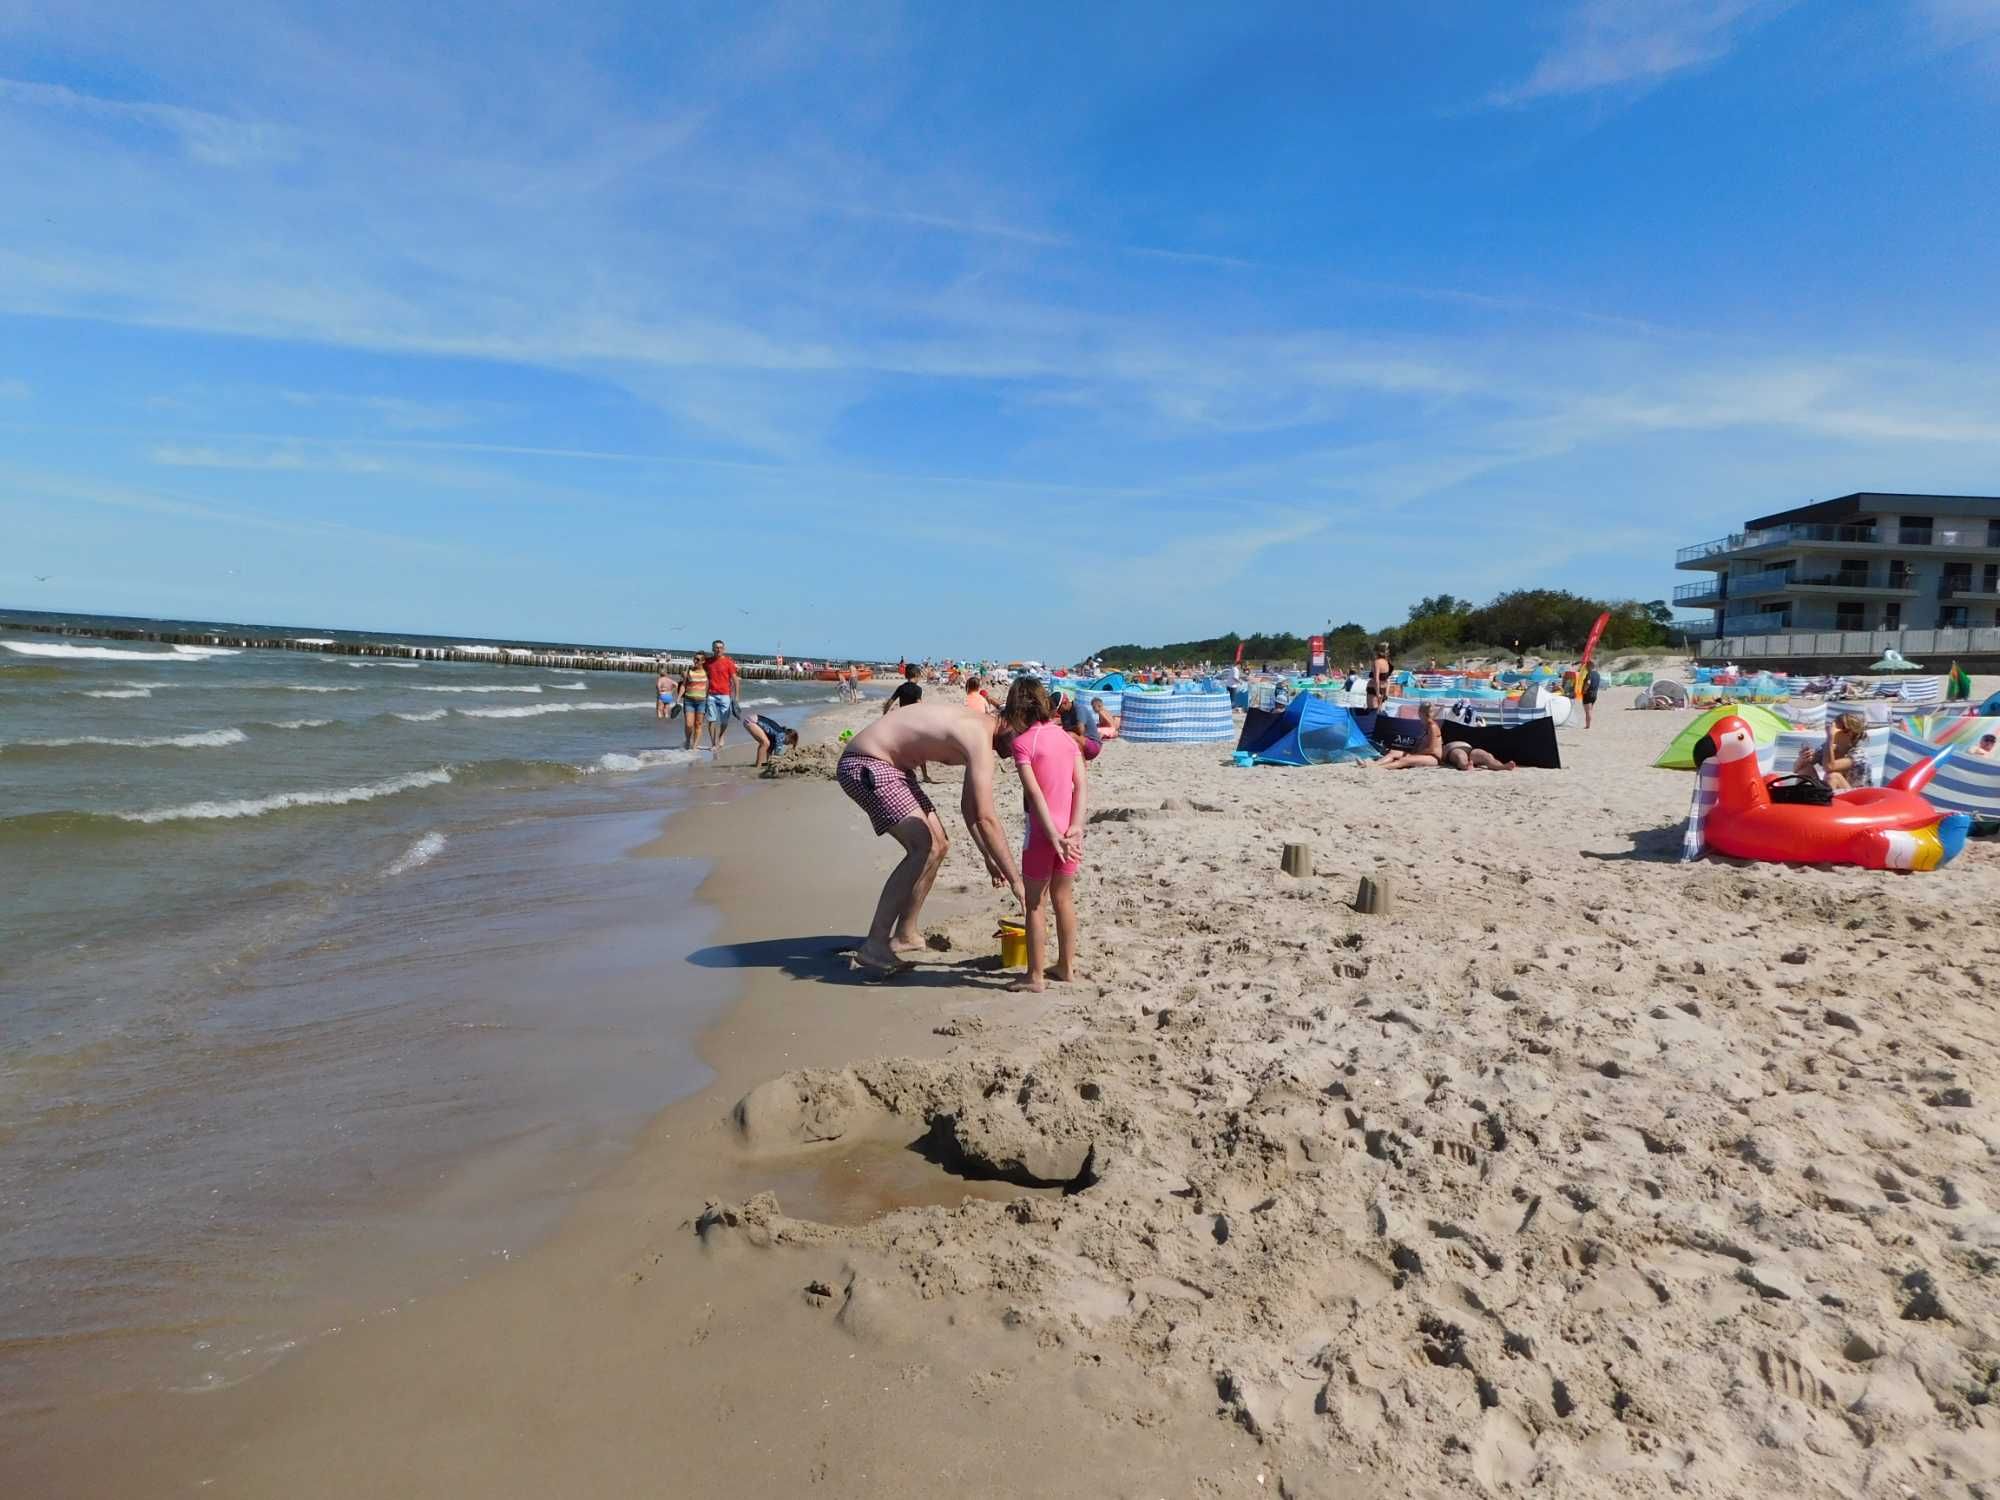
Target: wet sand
[1581,1172]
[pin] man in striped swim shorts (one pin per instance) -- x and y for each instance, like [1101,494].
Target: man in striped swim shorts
[879,770]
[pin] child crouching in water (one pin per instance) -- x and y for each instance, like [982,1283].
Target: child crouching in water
[1052,784]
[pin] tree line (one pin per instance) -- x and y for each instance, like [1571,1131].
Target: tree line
[1519,622]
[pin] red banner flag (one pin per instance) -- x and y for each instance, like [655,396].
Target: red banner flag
[1590,647]
[1239,653]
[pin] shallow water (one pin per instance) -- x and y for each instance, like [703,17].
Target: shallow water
[319,984]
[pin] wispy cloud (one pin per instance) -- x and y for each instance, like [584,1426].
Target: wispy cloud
[1636,43]
[180,456]
[14,390]
[397,413]
[213,140]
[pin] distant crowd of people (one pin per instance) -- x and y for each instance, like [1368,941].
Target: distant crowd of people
[703,696]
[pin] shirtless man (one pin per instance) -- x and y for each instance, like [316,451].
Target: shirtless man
[878,769]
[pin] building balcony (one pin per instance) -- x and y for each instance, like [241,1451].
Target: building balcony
[1694,595]
[1715,554]
[1765,624]
[1980,538]
[1966,588]
[1885,583]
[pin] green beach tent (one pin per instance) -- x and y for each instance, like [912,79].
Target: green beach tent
[1765,725]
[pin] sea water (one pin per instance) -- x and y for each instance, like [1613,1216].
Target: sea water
[322,979]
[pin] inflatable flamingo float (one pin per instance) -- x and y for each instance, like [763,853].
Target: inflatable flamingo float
[1879,828]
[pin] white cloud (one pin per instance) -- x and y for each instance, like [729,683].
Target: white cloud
[213,140]
[180,456]
[397,413]
[1637,43]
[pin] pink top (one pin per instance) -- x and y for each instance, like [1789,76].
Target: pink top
[1053,756]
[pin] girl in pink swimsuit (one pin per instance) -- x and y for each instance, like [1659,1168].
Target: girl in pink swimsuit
[1052,785]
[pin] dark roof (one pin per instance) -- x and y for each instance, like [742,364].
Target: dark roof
[1869,502]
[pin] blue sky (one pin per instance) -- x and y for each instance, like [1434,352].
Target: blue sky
[940,328]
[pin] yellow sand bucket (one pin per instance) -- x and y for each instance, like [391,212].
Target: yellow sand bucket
[1013,945]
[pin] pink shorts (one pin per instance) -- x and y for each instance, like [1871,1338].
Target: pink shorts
[888,794]
[1041,860]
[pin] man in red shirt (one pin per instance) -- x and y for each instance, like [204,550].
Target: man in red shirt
[722,674]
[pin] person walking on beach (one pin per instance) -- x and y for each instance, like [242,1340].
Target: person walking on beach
[722,674]
[908,691]
[878,771]
[694,697]
[1050,766]
[664,685]
[1589,686]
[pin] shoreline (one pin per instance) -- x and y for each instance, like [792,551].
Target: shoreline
[624,1230]
[1536,1181]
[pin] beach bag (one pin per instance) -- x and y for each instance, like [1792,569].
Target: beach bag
[1808,790]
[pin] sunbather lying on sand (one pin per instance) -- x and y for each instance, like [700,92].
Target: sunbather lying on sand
[1463,757]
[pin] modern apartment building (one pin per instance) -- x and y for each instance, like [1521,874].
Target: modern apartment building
[1865,562]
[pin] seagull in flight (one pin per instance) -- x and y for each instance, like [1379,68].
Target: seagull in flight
[43,577]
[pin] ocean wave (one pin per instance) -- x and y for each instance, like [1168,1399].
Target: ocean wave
[758,702]
[535,687]
[121,693]
[422,852]
[407,666]
[257,807]
[301,724]
[200,651]
[87,653]
[320,688]
[574,687]
[645,760]
[165,821]
[431,717]
[536,710]
[207,739]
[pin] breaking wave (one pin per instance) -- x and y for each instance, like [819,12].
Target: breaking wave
[89,653]
[535,687]
[207,739]
[645,760]
[422,852]
[424,718]
[536,710]
[121,693]
[256,807]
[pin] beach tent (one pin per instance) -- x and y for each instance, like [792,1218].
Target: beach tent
[1894,661]
[1666,693]
[1764,725]
[1308,732]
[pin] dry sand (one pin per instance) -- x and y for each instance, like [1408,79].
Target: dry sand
[1582,1172]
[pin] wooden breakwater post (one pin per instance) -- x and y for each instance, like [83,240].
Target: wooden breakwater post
[580,659]
[1297,861]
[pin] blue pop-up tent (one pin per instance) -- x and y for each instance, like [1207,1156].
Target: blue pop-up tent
[1308,731]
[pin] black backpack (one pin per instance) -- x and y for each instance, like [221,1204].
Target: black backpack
[1809,790]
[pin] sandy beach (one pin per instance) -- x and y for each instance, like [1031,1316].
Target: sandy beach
[1582,1172]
